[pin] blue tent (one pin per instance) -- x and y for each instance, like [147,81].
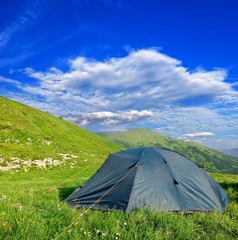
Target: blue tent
[151,177]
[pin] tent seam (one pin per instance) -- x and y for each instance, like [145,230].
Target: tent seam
[168,166]
[135,177]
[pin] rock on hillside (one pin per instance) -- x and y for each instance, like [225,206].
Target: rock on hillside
[32,137]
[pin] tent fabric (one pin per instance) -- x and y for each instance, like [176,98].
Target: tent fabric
[150,177]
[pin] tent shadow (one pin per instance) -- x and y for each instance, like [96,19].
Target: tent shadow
[65,192]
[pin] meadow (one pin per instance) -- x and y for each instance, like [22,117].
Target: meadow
[32,206]
[44,158]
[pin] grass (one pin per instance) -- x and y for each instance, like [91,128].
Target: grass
[32,203]
[32,207]
[28,133]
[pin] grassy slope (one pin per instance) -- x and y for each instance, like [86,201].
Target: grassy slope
[28,133]
[32,207]
[204,156]
[32,203]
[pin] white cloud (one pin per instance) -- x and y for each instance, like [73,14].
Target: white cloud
[180,120]
[198,135]
[111,118]
[176,121]
[11,81]
[145,79]
[145,88]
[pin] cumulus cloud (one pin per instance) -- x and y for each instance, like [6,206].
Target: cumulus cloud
[144,88]
[110,118]
[144,79]
[198,135]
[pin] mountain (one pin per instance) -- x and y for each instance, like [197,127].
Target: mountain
[233,152]
[210,159]
[29,137]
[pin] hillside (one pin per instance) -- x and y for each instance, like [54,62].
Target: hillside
[206,157]
[32,203]
[32,138]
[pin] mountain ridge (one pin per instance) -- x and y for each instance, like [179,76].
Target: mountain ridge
[232,152]
[209,158]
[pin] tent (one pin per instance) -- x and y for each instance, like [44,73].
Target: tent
[150,177]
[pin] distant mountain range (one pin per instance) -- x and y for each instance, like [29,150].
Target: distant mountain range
[233,152]
[210,159]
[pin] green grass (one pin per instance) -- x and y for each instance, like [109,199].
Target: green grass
[30,134]
[32,207]
[32,203]
[208,158]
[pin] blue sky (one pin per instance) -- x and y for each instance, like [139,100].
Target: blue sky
[167,65]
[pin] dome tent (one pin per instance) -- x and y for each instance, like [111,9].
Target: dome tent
[150,177]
